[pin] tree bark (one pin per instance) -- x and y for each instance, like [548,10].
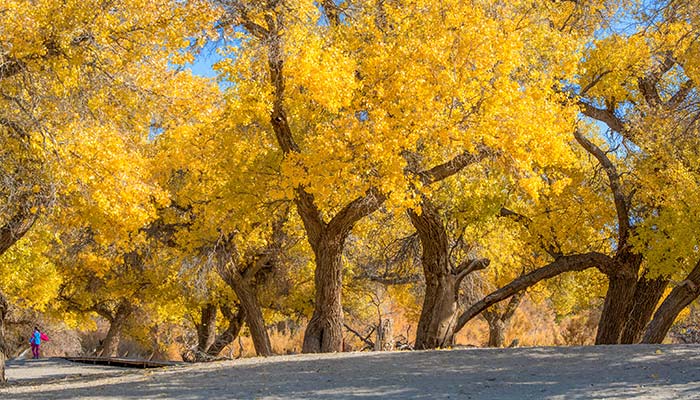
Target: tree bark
[440,304]
[647,294]
[324,332]
[110,344]
[206,329]
[254,316]
[679,298]
[497,332]
[619,298]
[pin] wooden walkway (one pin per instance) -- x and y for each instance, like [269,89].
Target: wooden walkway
[122,362]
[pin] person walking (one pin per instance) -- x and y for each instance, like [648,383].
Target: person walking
[35,341]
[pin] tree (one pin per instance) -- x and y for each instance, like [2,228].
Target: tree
[351,92]
[644,95]
[73,67]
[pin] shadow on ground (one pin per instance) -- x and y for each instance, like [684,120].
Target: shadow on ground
[609,372]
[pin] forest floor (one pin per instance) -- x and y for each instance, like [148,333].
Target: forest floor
[600,372]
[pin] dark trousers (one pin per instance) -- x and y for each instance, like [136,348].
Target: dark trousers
[35,350]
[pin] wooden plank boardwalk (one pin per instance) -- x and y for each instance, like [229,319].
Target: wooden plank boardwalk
[123,362]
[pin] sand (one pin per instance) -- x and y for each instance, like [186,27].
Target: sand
[600,372]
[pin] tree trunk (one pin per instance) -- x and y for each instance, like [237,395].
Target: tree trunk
[618,299]
[206,329]
[647,294]
[110,344]
[235,323]
[679,298]
[497,332]
[254,316]
[498,322]
[385,335]
[440,304]
[324,332]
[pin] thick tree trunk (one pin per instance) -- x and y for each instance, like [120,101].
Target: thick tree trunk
[110,344]
[679,298]
[440,304]
[254,316]
[619,298]
[235,323]
[324,332]
[647,294]
[206,329]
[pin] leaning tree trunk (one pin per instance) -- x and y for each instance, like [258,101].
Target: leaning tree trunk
[110,344]
[679,298]
[647,294]
[254,316]
[324,332]
[568,263]
[235,323]
[206,329]
[440,304]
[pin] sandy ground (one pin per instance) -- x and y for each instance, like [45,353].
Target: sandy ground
[601,372]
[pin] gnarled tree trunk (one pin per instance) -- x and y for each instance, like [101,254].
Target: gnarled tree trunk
[439,312]
[324,332]
[117,321]
[619,298]
[647,294]
[679,298]
[235,323]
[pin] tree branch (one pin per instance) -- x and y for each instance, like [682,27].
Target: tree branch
[680,95]
[576,262]
[16,228]
[331,11]
[10,67]
[604,115]
[364,339]
[466,267]
[354,211]
[453,166]
[621,206]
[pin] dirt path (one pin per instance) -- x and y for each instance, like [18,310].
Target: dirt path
[602,372]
